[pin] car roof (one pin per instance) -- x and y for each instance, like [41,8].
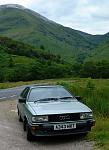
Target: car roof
[43,86]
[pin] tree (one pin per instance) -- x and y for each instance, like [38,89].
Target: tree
[2,75]
[95,69]
[42,47]
[11,62]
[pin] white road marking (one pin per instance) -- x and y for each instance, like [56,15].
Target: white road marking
[8,97]
[3,97]
[13,96]
[14,111]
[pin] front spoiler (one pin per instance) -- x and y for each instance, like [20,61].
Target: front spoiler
[47,129]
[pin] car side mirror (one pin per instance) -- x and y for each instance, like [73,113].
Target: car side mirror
[22,100]
[78,98]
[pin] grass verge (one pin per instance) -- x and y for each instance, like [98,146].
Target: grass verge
[100,134]
[6,85]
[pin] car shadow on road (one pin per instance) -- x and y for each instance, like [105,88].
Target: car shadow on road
[59,139]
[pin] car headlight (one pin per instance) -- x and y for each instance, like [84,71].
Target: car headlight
[86,115]
[39,118]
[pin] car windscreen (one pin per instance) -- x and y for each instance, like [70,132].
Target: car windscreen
[41,93]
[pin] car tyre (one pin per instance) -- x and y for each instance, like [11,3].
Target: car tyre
[20,118]
[29,134]
[84,135]
[24,125]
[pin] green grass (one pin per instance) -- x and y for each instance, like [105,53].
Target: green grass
[22,59]
[100,133]
[15,84]
[94,93]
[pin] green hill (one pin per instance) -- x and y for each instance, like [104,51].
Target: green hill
[30,27]
[100,53]
[25,25]
[22,62]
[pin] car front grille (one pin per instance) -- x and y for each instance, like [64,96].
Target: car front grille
[64,117]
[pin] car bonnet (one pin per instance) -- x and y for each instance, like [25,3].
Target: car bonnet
[59,107]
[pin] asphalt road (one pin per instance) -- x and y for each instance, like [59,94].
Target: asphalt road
[10,93]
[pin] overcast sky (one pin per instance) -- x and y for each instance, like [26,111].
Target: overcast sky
[91,16]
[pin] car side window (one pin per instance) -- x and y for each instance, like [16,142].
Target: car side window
[25,93]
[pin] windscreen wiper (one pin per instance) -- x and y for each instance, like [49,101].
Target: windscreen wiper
[46,99]
[66,97]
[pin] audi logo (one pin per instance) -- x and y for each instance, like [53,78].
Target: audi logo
[67,117]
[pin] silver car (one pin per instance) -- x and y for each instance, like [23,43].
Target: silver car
[51,110]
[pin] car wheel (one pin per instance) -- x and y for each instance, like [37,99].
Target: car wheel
[20,118]
[29,134]
[24,125]
[84,134]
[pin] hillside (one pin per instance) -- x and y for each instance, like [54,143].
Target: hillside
[22,62]
[100,53]
[30,27]
[22,24]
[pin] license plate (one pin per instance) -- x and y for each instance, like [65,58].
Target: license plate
[64,126]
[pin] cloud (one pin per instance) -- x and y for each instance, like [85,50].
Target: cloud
[54,8]
[90,16]
[25,3]
[86,15]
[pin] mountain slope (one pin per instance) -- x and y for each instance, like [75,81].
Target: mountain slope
[22,62]
[99,53]
[30,27]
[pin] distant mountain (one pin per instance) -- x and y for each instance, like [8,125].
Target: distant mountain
[25,25]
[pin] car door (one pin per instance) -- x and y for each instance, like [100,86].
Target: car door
[21,105]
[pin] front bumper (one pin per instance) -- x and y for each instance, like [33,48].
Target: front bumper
[47,129]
